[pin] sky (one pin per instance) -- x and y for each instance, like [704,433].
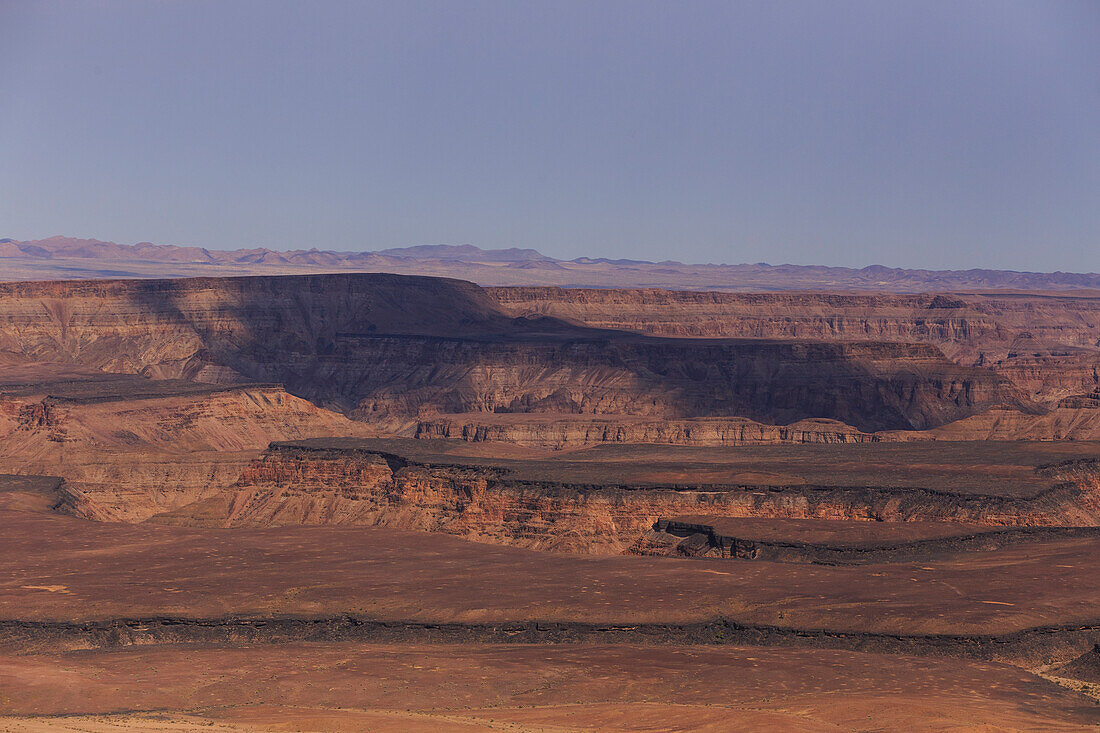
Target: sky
[936,134]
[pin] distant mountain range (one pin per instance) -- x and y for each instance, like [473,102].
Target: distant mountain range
[69,247]
[68,258]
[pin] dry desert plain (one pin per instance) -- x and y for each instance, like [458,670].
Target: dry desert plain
[392,503]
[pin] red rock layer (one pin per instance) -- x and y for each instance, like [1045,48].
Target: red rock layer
[291,485]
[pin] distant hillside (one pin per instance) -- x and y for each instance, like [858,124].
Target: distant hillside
[68,258]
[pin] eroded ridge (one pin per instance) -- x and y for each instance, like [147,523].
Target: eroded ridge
[356,482]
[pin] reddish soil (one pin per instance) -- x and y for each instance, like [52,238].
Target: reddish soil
[353,687]
[67,569]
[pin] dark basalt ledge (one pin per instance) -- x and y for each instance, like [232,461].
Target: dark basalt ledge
[993,538]
[1028,647]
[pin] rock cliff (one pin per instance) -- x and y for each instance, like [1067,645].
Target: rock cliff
[298,483]
[563,431]
[1078,418]
[384,348]
[1048,344]
[132,447]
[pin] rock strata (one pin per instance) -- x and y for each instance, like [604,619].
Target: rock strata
[386,348]
[297,484]
[562,431]
[1047,344]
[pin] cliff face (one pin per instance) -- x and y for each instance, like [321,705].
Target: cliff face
[385,348]
[178,327]
[1077,419]
[291,485]
[126,459]
[868,385]
[561,432]
[1047,344]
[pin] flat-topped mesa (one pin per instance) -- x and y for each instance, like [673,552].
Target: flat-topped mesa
[542,505]
[386,348]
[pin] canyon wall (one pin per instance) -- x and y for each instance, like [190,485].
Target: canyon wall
[387,348]
[575,431]
[1081,421]
[1048,344]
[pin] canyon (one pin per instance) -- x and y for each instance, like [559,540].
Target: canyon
[388,348]
[542,367]
[242,472]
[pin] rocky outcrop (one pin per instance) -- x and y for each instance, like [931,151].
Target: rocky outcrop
[1029,647]
[126,459]
[1051,372]
[563,431]
[178,327]
[1081,401]
[384,348]
[570,431]
[1085,667]
[301,484]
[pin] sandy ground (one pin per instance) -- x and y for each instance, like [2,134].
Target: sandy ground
[346,687]
[62,568]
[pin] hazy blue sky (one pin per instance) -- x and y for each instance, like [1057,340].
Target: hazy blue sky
[922,134]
